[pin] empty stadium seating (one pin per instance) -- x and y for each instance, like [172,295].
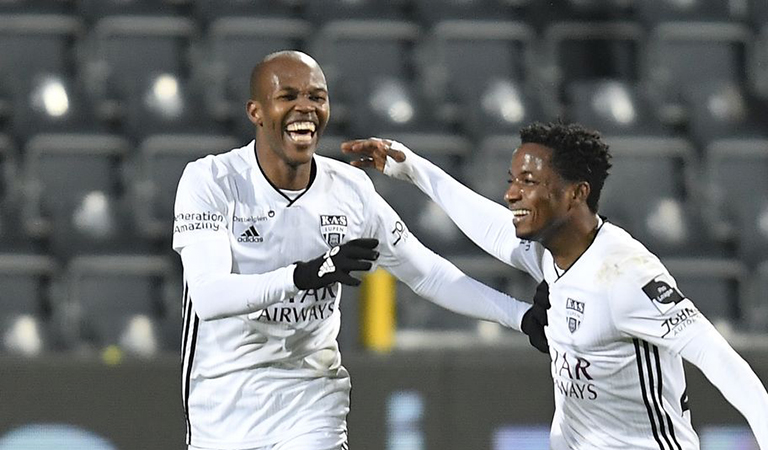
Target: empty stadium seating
[102,103]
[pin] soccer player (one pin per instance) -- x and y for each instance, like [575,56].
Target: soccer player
[267,234]
[618,326]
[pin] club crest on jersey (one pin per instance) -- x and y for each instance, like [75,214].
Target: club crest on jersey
[333,228]
[662,294]
[574,313]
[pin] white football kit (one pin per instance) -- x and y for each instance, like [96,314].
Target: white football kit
[618,330]
[261,364]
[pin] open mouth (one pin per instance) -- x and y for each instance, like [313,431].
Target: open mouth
[301,132]
[520,214]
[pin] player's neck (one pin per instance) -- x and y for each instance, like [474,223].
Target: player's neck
[282,174]
[572,240]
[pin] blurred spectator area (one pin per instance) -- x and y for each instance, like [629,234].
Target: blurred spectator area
[103,102]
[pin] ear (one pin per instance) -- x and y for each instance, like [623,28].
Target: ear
[253,109]
[580,192]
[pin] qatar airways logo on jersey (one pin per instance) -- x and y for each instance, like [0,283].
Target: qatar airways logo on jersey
[679,322]
[208,220]
[309,305]
[571,376]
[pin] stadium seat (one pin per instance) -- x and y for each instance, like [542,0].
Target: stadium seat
[52,103]
[433,11]
[160,161]
[12,235]
[756,305]
[503,106]
[231,48]
[722,109]
[31,44]
[737,186]
[206,11]
[122,51]
[24,305]
[73,193]
[117,300]
[389,105]
[683,55]
[319,12]
[612,106]
[714,285]
[93,10]
[487,169]
[656,11]
[587,51]
[164,104]
[354,51]
[452,53]
[650,193]
[37,6]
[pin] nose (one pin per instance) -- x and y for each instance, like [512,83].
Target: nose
[513,193]
[304,104]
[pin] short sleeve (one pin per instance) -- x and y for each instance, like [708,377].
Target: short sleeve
[647,304]
[200,209]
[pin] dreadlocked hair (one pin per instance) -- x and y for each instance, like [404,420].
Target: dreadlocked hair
[578,154]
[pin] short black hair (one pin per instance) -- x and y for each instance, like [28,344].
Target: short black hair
[578,154]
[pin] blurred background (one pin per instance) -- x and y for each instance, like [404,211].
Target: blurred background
[103,102]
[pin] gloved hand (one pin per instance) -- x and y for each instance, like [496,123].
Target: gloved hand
[535,318]
[335,264]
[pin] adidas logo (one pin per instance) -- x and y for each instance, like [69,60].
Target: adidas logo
[328,266]
[250,235]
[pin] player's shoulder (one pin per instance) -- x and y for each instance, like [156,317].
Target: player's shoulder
[624,255]
[220,165]
[343,172]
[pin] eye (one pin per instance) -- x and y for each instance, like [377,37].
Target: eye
[287,97]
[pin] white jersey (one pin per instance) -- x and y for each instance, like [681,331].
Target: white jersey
[616,324]
[254,378]
[618,330]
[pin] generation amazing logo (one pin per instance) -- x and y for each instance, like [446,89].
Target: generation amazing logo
[197,221]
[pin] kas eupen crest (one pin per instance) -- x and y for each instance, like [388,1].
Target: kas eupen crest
[574,313]
[333,228]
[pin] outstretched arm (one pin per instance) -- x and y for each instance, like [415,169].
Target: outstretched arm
[487,223]
[735,379]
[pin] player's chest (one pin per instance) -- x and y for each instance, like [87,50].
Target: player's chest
[580,315]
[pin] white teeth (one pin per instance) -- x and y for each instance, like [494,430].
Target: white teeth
[301,126]
[520,212]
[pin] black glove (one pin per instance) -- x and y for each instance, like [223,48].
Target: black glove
[535,318]
[335,265]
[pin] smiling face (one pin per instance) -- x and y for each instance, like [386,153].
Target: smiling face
[290,107]
[538,197]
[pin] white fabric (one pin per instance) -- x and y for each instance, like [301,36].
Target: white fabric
[260,357]
[618,326]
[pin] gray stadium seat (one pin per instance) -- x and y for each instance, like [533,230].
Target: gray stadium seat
[97,9]
[121,50]
[503,106]
[612,106]
[36,43]
[231,48]
[36,6]
[588,51]
[117,300]
[716,286]
[432,11]
[682,55]
[24,305]
[452,53]
[650,193]
[655,11]
[12,235]
[209,10]
[319,12]
[723,109]
[756,307]
[737,185]
[161,161]
[73,193]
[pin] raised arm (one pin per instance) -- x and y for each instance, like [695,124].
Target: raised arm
[485,222]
